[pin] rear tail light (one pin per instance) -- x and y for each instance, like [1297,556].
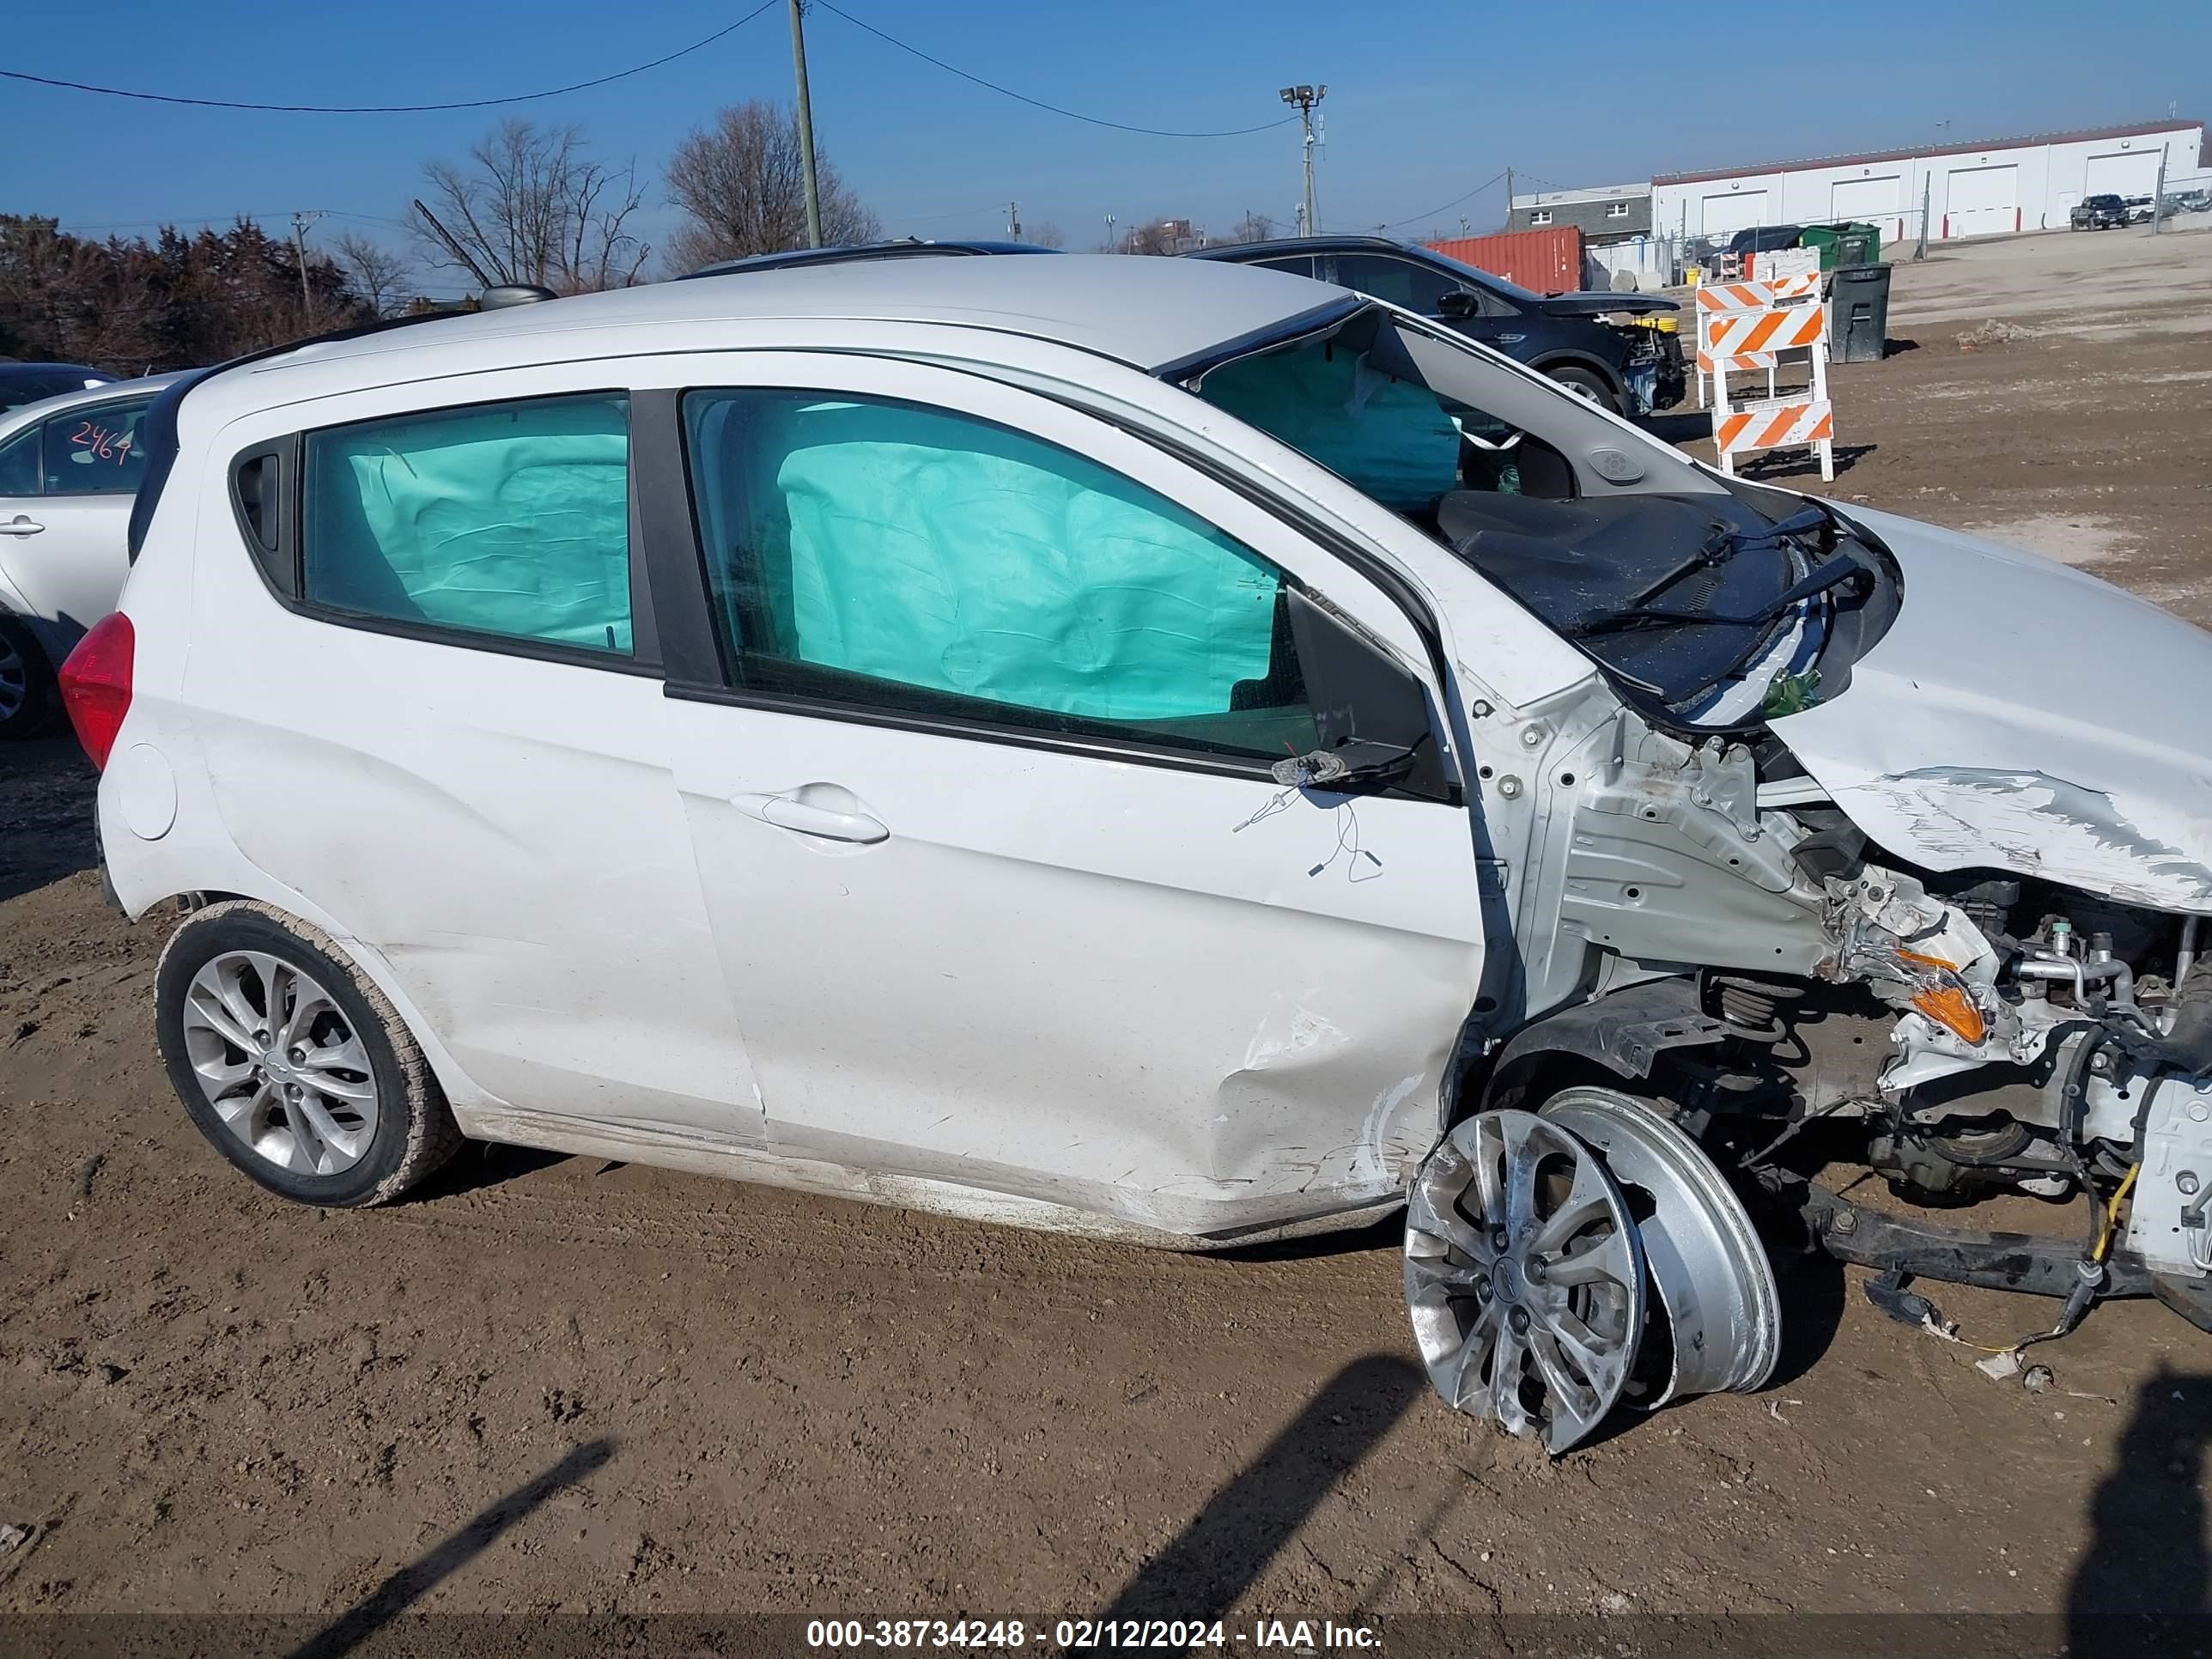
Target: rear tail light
[96,684]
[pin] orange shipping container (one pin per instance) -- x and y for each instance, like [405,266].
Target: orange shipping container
[1550,261]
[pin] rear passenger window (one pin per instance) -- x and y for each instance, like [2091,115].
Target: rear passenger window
[95,452]
[510,520]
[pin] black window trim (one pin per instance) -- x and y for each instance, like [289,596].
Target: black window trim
[643,658]
[697,669]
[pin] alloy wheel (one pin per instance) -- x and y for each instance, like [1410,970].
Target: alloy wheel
[280,1062]
[1524,1277]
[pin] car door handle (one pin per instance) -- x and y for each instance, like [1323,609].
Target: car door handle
[20,525]
[831,824]
[1511,339]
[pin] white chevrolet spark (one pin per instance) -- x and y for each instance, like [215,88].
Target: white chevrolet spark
[1151,748]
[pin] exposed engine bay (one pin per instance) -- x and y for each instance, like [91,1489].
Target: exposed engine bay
[1960,1035]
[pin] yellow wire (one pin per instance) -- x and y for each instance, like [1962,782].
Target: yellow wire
[2112,1212]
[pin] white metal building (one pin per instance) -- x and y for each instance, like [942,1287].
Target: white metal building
[1995,187]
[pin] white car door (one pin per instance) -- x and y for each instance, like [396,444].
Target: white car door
[65,491]
[1004,889]
[430,707]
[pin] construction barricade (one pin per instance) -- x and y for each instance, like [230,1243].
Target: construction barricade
[1746,327]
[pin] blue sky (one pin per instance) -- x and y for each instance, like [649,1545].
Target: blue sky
[1425,101]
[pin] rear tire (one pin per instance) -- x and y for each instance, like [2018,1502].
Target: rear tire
[292,1063]
[30,699]
[1587,386]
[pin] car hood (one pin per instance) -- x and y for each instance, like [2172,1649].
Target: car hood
[1595,303]
[2021,715]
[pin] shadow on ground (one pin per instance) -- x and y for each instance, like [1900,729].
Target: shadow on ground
[1227,1544]
[2140,1588]
[48,791]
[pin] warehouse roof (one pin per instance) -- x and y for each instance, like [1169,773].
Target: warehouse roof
[2086,135]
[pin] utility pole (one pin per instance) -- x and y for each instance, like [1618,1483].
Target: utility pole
[1509,199]
[1014,220]
[300,223]
[2158,197]
[1111,246]
[1920,247]
[1305,98]
[805,127]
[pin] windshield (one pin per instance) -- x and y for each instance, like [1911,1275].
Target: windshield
[1713,597]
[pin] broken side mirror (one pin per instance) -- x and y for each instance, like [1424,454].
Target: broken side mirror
[1370,713]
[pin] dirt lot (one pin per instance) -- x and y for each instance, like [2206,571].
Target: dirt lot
[554,1385]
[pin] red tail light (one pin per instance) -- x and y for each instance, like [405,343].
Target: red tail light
[96,684]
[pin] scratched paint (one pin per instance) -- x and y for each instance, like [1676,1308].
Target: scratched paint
[2038,824]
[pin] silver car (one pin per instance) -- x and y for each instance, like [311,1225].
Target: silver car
[70,468]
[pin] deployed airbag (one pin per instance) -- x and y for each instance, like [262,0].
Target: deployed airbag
[512,520]
[914,545]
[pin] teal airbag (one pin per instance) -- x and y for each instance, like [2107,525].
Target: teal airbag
[511,520]
[1390,439]
[926,547]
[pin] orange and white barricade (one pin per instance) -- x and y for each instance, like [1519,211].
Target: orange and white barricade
[1734,340]
[1722,298]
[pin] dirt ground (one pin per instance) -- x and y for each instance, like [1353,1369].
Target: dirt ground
[556,1387]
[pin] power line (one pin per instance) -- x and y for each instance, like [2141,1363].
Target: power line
[1039,103]
[384,109]
[1447,206]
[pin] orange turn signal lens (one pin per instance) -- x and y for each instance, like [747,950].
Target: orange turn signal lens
[1950,1008]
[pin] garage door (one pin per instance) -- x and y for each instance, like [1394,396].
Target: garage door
[1876,201]
[2122,173]
[1739,209]
[1981,202]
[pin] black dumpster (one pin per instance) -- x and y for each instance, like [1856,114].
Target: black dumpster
[1858,314]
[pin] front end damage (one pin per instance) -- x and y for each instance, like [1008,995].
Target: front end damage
[1887,935]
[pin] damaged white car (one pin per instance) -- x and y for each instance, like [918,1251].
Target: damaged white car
[1162,749]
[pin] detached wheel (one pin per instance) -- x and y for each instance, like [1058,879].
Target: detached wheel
[1525,1277]
[292,1063]
[29,698]
[1587,386]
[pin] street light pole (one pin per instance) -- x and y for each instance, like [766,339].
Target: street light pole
[805,127]
[1305,97]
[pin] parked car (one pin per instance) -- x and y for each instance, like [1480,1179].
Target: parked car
[2105,212]
[905,247]
[31,383]
[68,467]
[2141,210]
[1635,371]
[1183,754]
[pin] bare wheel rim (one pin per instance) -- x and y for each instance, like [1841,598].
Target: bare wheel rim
[1710,1269]
[15,678]
[279,1063]
[1524,1277]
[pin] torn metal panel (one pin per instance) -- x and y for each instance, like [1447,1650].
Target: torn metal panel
[1960,744]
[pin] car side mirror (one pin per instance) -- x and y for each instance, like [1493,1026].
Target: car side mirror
[1369,712]
[1457,303]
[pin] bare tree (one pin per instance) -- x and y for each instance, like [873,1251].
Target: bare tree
[1047,235]
[1253,228]
[379,274]
[531,206]
[740,184]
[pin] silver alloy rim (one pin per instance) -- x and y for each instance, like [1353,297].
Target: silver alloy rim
[14,679]
[1707,1263]
[279,1063]
[1525,1276]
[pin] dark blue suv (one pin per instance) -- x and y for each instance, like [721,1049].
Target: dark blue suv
[1627,369]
